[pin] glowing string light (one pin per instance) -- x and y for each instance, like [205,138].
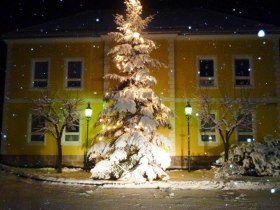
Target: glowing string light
[136,35]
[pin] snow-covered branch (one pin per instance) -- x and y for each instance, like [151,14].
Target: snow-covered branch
[234,111]
[57,115]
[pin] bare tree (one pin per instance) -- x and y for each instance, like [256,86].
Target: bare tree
[57,114]
[234,112]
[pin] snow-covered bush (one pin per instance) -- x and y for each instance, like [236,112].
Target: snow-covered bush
[254,159]
[131,151]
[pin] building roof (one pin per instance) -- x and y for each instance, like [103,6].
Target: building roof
[180,21]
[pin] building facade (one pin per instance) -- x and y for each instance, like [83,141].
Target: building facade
[68,58]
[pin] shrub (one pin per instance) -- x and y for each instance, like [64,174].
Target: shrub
[253,159]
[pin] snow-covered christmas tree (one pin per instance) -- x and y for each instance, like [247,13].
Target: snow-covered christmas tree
[129,147]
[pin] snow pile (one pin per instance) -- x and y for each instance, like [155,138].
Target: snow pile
[255,159]
[132,157]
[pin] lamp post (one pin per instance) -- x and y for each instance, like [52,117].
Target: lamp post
[88,113]
[188,113]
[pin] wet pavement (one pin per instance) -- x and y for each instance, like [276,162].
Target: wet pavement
[20,193]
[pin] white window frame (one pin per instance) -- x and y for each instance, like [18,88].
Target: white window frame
[214,78]
[253,117]
[65,133]
[66,73]
[250,78]
[30,133]
[33,80]
[216,133]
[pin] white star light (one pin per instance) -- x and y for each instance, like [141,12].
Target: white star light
[273,190]
[261,33]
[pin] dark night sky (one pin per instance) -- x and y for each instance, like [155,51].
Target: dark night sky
[22,13]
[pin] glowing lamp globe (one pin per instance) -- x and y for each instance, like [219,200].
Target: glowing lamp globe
[188,110]
[88,111]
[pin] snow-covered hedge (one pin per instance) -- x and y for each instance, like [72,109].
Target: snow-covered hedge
[254,159]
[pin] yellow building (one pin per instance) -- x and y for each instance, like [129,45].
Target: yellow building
[67,58]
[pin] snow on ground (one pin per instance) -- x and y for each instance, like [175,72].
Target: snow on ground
[64,169]
[199,185]
[176,185]
[208,184]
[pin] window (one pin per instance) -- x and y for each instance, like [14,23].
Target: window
[74,74]
[206,72]
[208,131]
[245,129]
[36,135]
[40,74]
[243,74]
[72,133]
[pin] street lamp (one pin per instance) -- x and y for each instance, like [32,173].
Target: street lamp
[188,113]
[88,113]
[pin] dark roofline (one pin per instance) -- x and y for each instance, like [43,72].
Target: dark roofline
[94,23]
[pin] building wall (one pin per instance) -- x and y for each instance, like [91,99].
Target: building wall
[177,84]
[19,93]
[224,49]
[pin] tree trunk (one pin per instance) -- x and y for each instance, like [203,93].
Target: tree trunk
[226,145]
[59,157]
[226,137]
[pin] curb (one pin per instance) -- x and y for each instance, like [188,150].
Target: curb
[176,185]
